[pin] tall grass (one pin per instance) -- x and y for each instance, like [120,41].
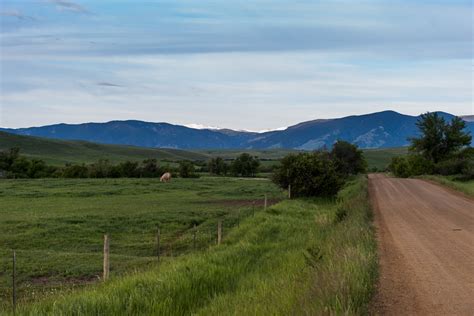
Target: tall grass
[299,257]
[466,187]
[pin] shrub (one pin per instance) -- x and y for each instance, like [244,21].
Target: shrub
[217,166]
[419,165]
[400,167]
[412,165]
[349,160]
[186,170]
[100,169]
[310,174]
[245,165]
[129,169]
[451,166]
[75,171]
[467,172]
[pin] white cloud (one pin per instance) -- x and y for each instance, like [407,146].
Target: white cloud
[252,91]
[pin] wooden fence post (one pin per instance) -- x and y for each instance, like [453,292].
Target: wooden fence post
[265,203]
[219,231]
[289,191]
[106,258]
[14,282]
[194,237]
[158,250]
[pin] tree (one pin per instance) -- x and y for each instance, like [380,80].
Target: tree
[310,174]
[150,169]
[217,166]
[100,169]
[245,165]
[186,170]
[410,165]
[129,169]
[439,140]
[348,158]
[7,158]
[75,171]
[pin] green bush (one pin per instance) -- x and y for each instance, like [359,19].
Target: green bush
[186,170]
[217,166]
[245,165]
[412,165]
[309,174]
[400,167]
[349,160]
[419,165]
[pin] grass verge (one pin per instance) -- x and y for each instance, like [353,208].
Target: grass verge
[310,256]
[466,187]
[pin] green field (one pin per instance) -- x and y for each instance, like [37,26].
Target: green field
[300,256]
[59,152]
[380,158]
[56,226]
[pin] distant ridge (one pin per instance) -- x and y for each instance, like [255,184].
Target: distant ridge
[375,130]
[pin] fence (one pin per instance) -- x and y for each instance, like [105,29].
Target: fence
[196,238]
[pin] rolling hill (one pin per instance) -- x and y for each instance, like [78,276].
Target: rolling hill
[59,152]
[377,130]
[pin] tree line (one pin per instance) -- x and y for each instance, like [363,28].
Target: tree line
[13,165]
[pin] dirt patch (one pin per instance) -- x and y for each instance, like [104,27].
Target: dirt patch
[52,281]
[425,236]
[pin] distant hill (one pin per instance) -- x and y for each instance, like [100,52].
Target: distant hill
[377,130]
[59,152]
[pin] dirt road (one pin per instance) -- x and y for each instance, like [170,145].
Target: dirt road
[426,246]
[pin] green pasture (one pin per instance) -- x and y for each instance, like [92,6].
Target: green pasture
[56,226]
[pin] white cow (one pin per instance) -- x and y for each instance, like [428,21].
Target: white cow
[166,177]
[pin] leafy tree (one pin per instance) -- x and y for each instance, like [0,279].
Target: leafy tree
[245,165]
[19,168]
[39,169]
[411,165]
[7,158]
[129,169]
[348,158]
[310,174]
[439,139]
[186,170]
[100,169]
[217,166]
[150,169]
[75,171]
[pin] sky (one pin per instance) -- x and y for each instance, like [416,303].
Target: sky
[253,65]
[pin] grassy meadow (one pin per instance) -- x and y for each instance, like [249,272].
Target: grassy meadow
[381,158]
[304,256]
[56,226]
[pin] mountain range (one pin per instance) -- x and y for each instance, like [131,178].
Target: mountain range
[375,130]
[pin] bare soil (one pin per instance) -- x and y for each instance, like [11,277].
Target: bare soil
[46,280]
[425,235]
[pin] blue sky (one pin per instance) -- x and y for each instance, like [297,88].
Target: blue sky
[254,65]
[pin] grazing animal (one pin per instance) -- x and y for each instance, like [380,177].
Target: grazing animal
[166,177]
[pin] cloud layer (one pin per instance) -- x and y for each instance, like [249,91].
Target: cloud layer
[212,62]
